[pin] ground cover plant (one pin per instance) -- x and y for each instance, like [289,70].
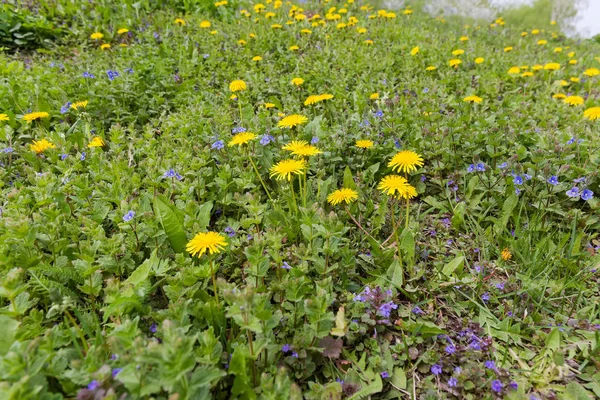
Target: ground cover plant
[297,200]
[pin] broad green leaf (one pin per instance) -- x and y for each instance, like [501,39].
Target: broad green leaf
[340,323]
[449,268]
[8,331]
[171,224]
[203,215]
[349,179]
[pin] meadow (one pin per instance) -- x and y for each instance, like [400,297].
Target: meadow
[318,200]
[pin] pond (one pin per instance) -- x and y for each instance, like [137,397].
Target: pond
[577,18]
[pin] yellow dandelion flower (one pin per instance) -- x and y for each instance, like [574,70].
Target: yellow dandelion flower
[4,117]
[179,21]
[392,184]
[473,99]
[575,79]
[458,52]
[479,60]
[269,105]
[591,72]
[241,139]
[205,24]
[506,254]
[542,42]
[432,68]
[233,97]
[292,120]
[344,195]
[294,48]
[294,145]
[552,66]
[592,113]
[572,62]
[97,141]
[527,74]
[256,58]
[307,151]
[276,26]
[306,31]
[559,96]
[39,146]
[297,81]
[408,193]
[514,71]
[241,42]
[361,30]
[537,67]
[507,49]
[35,115]
[122,31]
[455,62]
[97,35]
[374,96]
[285,169]
[405,161]
[105,46]
[213,32]
[524,33]
[237,86]
[312,99]
[535,31]
[414,51]
[368,42]
[574,100]
[464,38]
[558,49]
[363,144]
[407,12]
[571,54]
[211,242]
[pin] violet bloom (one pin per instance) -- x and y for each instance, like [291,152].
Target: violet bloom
[230,231]
[497,386]
[386,309]
[129,216]
[116,371]
[452,382]
[480,167]
[489,364]
[517,180]
[417,310]
[93,385]
[266,139]
[485,297]
[286,266]
[219,145]
[314,140]
[450,349]
[573,192]
[153,328]
[385,374]
[171,173]
[587,194]
[285,348]
[553,180]
[436,369]
[294,354]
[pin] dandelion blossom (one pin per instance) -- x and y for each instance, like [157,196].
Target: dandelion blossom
[406,161]
[292,120]
[458,52]
[559,96]
[364,144]
[286,168]
[473,99]
[514,71]
[256,58]
[79,104]
[408,193]
[374,96]
[39,146]
[552,66]
[105,46]
[455,62]
[294,145]
[237,86]
[122,31]
[312,99]
[392,184]
[242,138]
[35,115]
[479,60]
[297,81]
[211,242]
[97,141]
[179,21]
[432,68]
[97,35]
[205,24]
[591,72]
[592,113]
[342,195]
[414,51]
[506,254]
[574,100]
[4,117]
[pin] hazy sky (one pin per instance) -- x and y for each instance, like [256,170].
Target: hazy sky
[589,25]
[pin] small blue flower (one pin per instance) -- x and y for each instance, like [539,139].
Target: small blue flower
[497,386]
[426,90]
[503,165]
[116,371]
[480,167]
[450,349]
[171,173]
[436,369]
[294,354]
[587,194]
[285,348]
[286,266]
[218,145]
[527,176]
[471,168]
[266,139]
[82,157]
[7,150]
[112,75]
[65,108]
[379,113]
[500,286]
[385,309]
[88,75]
[206,56]
[490,364]
[513,385]
[63,156]
[573,192]
[517,180]
[230,231]
[485,297]
[417,310]
[153,328]
[385,374]
[93,385]
[129,70]
[452,382]
[314,140]
[553,180]
[129,216]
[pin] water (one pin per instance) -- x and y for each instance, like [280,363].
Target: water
[577,18]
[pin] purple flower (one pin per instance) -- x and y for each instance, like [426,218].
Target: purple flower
[218,145]
[457,370]
[480,167]
[230,231]
[579,180]
[436,369]
[129,216]
[171,173]
[65,108]
[587,194]
[503,165]
[485,297]
[286,266]
[206,56]
[471,168]
[379,113]
[129,70]
[285,348]
[153,328]
[385,374]
[88,75]
[426,90]
[500,286]
[517,180]
[423,178]
[239,129]
[63,156]
[489,364]
[527,177]
[266,139]
[386,309]
[452,382]
[417,310]
[116,371]
[450,349]
[553,180]
[573,192]
[112,75]
[82,157]
[497,386]
[513,385]
[93,385]
[314,140]
[7,150]
[294,354]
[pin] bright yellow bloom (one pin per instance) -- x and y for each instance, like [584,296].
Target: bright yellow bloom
[4,117]
[276,26]
[574,100]
[292,120]
[506,254]
[40,146]
[572,62]
[527,74]
[537,67]
[407,12]
[306,31]
[104,46]
[179,21]
[414,51]
[479,60]
[97,141]
[562,82]
[464,38]
[558,49]
[591,72]
[122,31]
[552,66]
[575,79]
[294,48]
[368,42]
[559,96]
[342,195]
[405,161]
[364,144]
[285,169]
[458,52]
[312,99]
[455,62]
[542,42]
[294,145]
[297,81]
[507,49]
[361,30]
[432,68]
[237,86]
[374,96]
[408,193]
[233,97]
[242,138]
[211,242]
[241,42]
[35,115]
[514,71]
[535,31]
[473,99]
[571,54]
[256,58]
[592,113]
[205,24]
[392,184]
[307,151]
[97,35]
[213,32]
[524,33]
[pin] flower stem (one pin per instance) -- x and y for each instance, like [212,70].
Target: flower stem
[360,226]
[214,279]
[259,177]
[407,208]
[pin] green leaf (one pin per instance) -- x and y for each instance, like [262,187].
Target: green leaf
[399,378]
[8,331]
[449,268]
[370,389]
[349,179]
[407,244]
[396,274]
[171,224]
[553,340]
[575,391]
[507,209]
[203,215]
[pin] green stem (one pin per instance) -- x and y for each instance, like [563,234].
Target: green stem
[293,195]
[407,208]
[214,279]
[259,177]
